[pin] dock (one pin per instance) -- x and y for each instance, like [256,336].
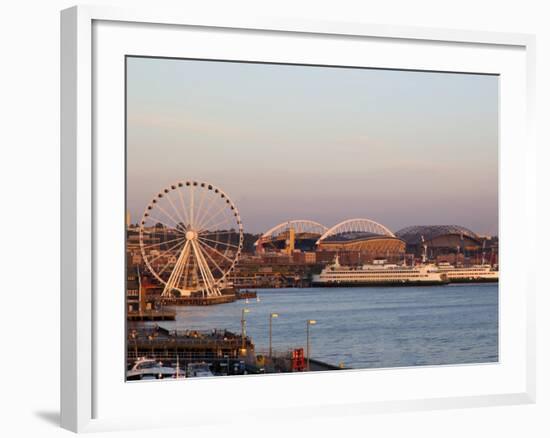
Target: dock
[317,365]
[152,315]
[244,294]
[206,301]
[196,301]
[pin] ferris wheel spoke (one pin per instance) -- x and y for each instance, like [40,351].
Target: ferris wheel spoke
[163,269]
[199,208]
[169,216]
[164,252]
[205,214]
[214,262]
[218,242]
[218,252]
[184,207]
[176,211]
[222,222]
[212,251]
[215,215]
[192,205]
[163,243]
[157,220]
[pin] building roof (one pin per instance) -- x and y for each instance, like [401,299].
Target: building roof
[417,233]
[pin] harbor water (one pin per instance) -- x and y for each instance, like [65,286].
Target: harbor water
[366,327]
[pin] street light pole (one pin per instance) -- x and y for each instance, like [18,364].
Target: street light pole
[308,323]
[243,329]
[133,335]
[226,356]
[271,316]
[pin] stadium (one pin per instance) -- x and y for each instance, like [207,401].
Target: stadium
[436,242]
[364,236]
[357,240]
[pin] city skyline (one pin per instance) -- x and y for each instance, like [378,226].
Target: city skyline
[327,144]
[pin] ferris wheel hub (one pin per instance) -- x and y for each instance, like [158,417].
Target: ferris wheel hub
[191,235]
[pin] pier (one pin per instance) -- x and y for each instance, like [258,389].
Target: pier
[152,315]
[186,345]
[196,301]
[206,300]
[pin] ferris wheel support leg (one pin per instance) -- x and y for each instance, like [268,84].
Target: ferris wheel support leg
[214,291]
[210,284]
[214,288]
[201,269]
[213,261]
[174,276]
[181,267]
[186,270]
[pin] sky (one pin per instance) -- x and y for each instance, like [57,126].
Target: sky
[321,143]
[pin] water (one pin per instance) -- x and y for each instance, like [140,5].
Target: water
[367,327]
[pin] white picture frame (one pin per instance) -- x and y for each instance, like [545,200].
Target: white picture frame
[86,78]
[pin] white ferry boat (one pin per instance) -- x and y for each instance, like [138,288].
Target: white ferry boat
[379,274]
[469,274]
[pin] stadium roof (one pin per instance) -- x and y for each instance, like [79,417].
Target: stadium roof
[358,225]
[352,236]
[416,233]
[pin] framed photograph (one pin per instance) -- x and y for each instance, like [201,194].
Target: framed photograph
[329,210]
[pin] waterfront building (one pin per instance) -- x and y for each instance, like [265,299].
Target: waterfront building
[132,290]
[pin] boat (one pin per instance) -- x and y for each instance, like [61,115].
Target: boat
[150,369]
[379,273]
[469,274]
[199,369]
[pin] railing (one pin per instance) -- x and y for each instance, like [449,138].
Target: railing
[160,339]
[183,357]
[172,343]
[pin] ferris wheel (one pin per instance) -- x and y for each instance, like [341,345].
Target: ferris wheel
[191,237]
